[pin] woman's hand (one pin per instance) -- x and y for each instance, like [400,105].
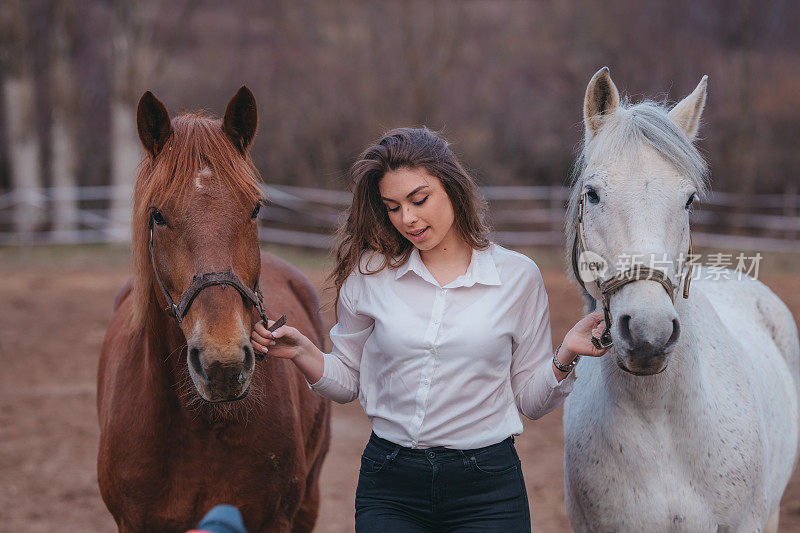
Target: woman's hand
[288,342]
[578,340]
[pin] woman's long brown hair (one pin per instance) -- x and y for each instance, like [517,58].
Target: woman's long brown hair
[367,227]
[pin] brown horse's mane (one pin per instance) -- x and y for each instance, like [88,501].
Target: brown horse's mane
[197,141]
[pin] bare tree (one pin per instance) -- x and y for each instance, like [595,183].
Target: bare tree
[140,39]
[66,122]
[20,113]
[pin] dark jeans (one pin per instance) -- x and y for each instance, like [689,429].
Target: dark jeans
[440,489]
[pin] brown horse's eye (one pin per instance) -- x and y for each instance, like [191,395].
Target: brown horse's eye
[158,218]
[255,211]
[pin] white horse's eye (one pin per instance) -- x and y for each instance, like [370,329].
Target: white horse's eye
[591,194]
[689,201]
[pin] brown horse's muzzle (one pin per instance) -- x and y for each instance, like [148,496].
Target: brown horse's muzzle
[218,376]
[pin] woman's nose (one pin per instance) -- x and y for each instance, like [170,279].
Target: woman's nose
[409,217]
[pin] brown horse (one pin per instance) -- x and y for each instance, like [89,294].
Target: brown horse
[188,418]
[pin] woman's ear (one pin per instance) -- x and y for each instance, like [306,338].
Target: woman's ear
[241,119]
[152,121]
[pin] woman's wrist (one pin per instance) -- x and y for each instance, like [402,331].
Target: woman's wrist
[565,356]
[566,362]
[310,360]
[303,351]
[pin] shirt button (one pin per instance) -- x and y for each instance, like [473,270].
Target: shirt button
[431,455]
[413,443]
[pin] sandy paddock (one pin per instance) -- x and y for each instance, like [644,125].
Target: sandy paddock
[53,315]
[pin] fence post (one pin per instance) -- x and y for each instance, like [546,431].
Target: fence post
[556,213]
[791,205]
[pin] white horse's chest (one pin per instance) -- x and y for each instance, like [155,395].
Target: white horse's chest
[691,469]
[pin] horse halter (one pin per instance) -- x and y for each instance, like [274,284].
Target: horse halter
[634,273]
[209,279]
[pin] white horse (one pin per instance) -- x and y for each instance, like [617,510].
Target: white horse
[690,422]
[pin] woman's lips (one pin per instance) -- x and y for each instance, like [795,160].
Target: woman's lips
[419,235]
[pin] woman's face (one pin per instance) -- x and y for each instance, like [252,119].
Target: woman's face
[418,206]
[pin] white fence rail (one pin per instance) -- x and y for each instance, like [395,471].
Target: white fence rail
[307,217]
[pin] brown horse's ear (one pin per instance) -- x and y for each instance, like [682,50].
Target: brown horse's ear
[602,98]
[152,120]
[241,119]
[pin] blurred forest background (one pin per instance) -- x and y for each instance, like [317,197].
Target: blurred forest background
[503,80]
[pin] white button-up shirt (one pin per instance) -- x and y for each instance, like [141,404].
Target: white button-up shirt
[445,366]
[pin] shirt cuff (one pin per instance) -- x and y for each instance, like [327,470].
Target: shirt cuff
[321,385]
[565,385]
[324,382]
[314,386]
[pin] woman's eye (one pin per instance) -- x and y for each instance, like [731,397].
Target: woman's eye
[421,201]
[158,218]
[392,209]
[255,211]
[591,194]
[689,201]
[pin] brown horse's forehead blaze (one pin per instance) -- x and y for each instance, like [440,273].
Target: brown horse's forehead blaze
[204,179]
[212,198]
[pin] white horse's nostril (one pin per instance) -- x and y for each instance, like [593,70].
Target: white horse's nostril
[676,332]
[647,333]
[625,328]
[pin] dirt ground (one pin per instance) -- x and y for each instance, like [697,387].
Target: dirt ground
[54,310]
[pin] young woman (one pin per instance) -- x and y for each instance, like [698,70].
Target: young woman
[443,336]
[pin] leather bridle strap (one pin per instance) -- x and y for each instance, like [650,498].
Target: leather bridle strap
[171,307]
[209,279]
[638,273]
[218,278]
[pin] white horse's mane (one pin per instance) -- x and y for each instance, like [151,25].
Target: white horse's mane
[627,129]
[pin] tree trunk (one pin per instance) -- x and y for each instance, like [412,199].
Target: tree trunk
[24,153]
[65,161]
[126,153]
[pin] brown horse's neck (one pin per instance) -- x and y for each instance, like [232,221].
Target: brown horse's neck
[165,354]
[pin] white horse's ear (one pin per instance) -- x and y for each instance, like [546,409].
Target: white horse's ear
[602,98]
[686,113]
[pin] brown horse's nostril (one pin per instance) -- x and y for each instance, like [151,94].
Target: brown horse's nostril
[248,357]
[194,359]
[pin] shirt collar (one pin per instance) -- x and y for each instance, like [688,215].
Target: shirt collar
[482,269]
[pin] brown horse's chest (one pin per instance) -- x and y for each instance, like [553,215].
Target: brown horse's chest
[172,481]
